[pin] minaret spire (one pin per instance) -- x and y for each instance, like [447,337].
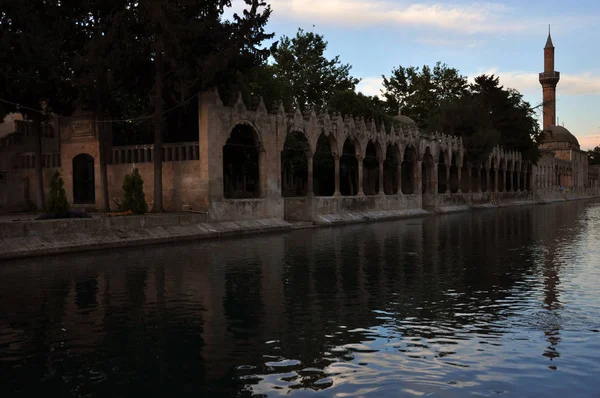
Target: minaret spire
[549,40]
[549,79]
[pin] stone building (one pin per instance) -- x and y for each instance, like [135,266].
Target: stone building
[563,166]
[343,164]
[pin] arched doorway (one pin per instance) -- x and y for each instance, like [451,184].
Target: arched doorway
[241,168]
[371,169]
[294,165]
[324,167]
[465,179]
[408,170]
[427,172]
[391,167]
[84,188]
[453,174]
[349,168]
[442,179]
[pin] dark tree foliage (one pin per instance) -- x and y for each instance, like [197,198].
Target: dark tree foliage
[57,198]
[134,199]
[314,79]
[488,115]
[417,92]
[594,156]
[484,114]
[38,41]
[349,102]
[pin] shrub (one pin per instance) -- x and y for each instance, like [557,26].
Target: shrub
[134,200]
[57,199]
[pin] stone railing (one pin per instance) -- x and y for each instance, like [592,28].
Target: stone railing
[145,153]
[26,128]
[27,160]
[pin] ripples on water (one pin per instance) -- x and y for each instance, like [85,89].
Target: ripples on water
[501,302]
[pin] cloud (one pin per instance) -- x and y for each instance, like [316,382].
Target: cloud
[466,17]
[528,82]
[370,86]
[446,42]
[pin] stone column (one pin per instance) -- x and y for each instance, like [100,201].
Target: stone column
[448,189]
[519,181]
[459,178]
[336,167]
[381,177]
[360,176]
[309,188]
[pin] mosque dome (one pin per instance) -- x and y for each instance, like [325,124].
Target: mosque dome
[404,119]
[559,134]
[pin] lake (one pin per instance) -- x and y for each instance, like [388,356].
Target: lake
[482,303]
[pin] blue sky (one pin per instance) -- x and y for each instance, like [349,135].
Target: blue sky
[505,38]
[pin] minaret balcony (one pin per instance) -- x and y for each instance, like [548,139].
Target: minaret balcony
[549,77]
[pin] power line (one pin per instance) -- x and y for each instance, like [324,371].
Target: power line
[135,119]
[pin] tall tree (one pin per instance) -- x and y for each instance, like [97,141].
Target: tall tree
[314,78]
[486,115]
[188,46]
[38,42]
[415,91]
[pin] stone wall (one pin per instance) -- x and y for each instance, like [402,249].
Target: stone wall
[181,183]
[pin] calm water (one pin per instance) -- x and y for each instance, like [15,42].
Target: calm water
[495,302]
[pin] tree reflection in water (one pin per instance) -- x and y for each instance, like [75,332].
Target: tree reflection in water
[455,301]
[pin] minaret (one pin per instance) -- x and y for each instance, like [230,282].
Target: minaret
[549,79]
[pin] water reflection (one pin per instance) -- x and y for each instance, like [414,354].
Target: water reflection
[475,303]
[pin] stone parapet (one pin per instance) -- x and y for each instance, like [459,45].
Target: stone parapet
[94,234]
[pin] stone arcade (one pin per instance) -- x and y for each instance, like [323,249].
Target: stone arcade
[370,169]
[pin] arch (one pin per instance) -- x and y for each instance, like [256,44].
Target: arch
[391,170]
[484,180]
[241,163]
[324,166]
[442,173]
[294,164]
[349,167]
[475,178]
[427,170]
[501,169]
[84,187]
[409,163]
[370,165]
[465,180]
[508,182]
[453,183]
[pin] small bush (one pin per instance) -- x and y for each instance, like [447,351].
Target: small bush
[134,200]
[57,199]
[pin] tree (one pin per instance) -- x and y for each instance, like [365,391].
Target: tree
[188,47]
[37,46]
[313,78]
[57,198]
[416,92]
[487,115]
[133,190]
[594,156]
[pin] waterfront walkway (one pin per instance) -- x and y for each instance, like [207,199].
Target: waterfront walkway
[21,235]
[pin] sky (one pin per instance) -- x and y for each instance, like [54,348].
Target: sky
[504,37]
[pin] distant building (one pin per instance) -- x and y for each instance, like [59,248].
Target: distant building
[563,165]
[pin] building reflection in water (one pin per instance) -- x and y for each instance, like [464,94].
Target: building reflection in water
[219,317]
